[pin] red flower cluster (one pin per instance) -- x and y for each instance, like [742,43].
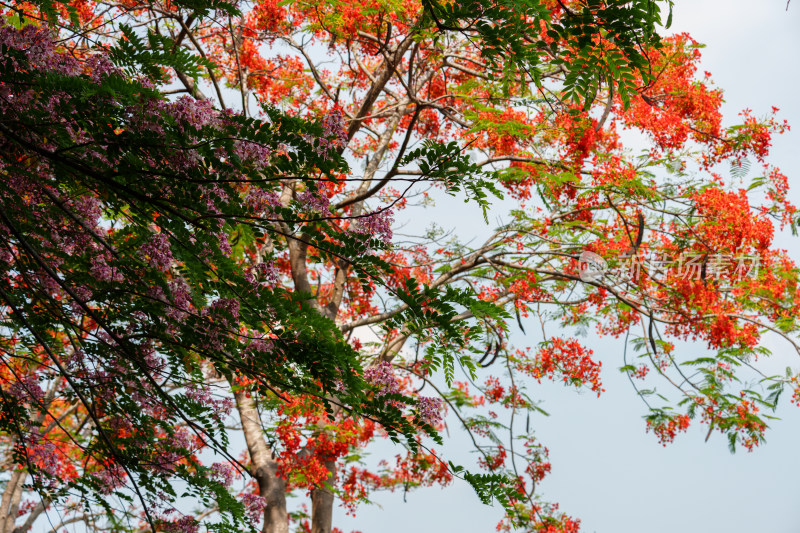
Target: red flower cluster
[567,360]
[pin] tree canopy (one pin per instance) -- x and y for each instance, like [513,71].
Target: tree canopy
[205,310]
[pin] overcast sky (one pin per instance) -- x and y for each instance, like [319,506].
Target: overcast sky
[606,470]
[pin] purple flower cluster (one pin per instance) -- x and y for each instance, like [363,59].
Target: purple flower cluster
[27,388]
[223,242]
[110,478]
[102,271]
[382,376]
[334,134]
[253,506]
[377,224]
[430,409]
[249,151]
[43,454]
[315,200]
[214,193]
[202,394]
[223,315]
[257,345]
[100,66]
[262,201]
[196,113]
[171,449]
[83,294]
[268,271]
[181,300]
[185,524]
[224,308]
[40,49]
[157,252]
[222,472]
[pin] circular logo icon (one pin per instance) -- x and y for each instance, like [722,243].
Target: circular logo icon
[591,267]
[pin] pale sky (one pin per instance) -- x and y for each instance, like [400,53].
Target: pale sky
[606,470]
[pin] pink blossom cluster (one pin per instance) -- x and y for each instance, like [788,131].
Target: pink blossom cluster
[430,409]
[252,152]
[264,274]
[40,49]
[27,388]
[213,193]
[181,296]
[222,240]
[143,394]
[102,271]
[382,376]
[377,224]
[314,200]
[171,449]
[223,473]
[223,316]
[82,296]
[223,308]
[157,252]
[43,455]
[202,394]
[100,66]
[196,113]
[89,210]
[253,506]
[185,524]
[262,201]
[258,345]
[334,135]
[110,478]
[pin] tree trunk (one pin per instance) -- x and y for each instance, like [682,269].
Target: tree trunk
[263,466]
[9,504]
[322,503]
